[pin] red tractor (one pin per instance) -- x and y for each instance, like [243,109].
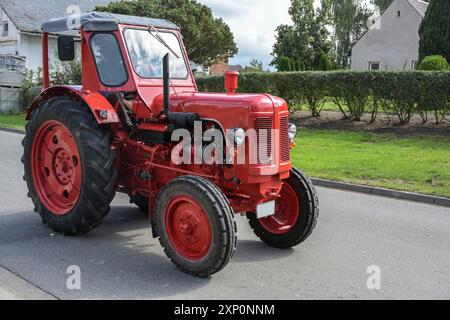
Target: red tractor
[116,133]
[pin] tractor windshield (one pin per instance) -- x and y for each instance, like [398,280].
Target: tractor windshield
[147,52]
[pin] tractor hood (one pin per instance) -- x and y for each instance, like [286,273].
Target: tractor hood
[230,110]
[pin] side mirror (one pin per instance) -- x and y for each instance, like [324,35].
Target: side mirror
[66,48]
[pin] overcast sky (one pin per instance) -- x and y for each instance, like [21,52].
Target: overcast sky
[253,23]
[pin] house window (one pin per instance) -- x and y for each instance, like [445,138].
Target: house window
[374,65]
[399,13]
[5,28]
[415,65]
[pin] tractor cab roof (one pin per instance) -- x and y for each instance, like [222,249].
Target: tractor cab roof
[102,21]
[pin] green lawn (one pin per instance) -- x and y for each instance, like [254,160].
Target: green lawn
[419,164]
[16,121]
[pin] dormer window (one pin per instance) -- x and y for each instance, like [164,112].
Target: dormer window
[5,28]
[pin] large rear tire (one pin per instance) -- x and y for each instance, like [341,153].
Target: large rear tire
[69,166]
[196,225]
[296,214]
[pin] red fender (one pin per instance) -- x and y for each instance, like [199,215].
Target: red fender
[94,100]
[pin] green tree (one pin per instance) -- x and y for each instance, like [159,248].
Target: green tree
[435,30]
[285,64]
[349,20]
[307,39]
[325,64]
[254,66]
[206,38]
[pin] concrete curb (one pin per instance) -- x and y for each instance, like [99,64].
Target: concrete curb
[11,130]
[14,287]
[387,193]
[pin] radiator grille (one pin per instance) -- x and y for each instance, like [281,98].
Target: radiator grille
[263,128]
[284,139]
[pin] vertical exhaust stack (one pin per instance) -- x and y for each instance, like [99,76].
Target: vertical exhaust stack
[180,119]
[166,85]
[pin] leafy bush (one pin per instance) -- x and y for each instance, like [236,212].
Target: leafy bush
[61,73]
[325,63]
[434,63]
[285,64]
[400,93]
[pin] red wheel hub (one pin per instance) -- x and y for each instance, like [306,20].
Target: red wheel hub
[188,228]
[286,212]
[56,167]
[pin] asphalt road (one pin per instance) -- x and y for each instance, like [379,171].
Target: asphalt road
[409,242]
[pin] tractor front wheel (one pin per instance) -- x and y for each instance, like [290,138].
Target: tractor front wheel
[69,166]
[295,216]
[196,225]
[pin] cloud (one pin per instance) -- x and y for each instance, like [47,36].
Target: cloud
[253,23]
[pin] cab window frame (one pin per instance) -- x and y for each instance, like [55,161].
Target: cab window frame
[127,77]
[182,49]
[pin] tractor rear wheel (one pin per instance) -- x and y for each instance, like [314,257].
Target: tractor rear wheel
[196,225]
[69,166]
[295,215]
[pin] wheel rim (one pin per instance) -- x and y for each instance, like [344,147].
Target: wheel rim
[286,212]
[56,167]
[188,228]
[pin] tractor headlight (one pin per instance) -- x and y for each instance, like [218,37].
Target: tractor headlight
[292,131]
[239,136]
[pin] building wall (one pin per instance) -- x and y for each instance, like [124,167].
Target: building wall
[393,40]
[10,43]
[219,67]
[31,48]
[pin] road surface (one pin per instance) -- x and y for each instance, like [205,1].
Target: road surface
[408,242]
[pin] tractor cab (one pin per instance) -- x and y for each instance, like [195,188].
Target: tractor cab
[122,53]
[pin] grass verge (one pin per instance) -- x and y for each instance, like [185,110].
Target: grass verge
[15,121]
[416,164]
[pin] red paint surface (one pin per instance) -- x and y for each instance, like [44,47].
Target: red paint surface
[188,228]
[56,167]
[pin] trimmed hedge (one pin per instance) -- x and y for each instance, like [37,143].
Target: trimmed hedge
[354,92]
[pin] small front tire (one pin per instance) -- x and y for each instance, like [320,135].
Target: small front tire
[196,225]
[296,214]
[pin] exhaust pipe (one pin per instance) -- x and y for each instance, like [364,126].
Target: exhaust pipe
[180,119]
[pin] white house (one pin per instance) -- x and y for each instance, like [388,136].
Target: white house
[20,26]
[392,43]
